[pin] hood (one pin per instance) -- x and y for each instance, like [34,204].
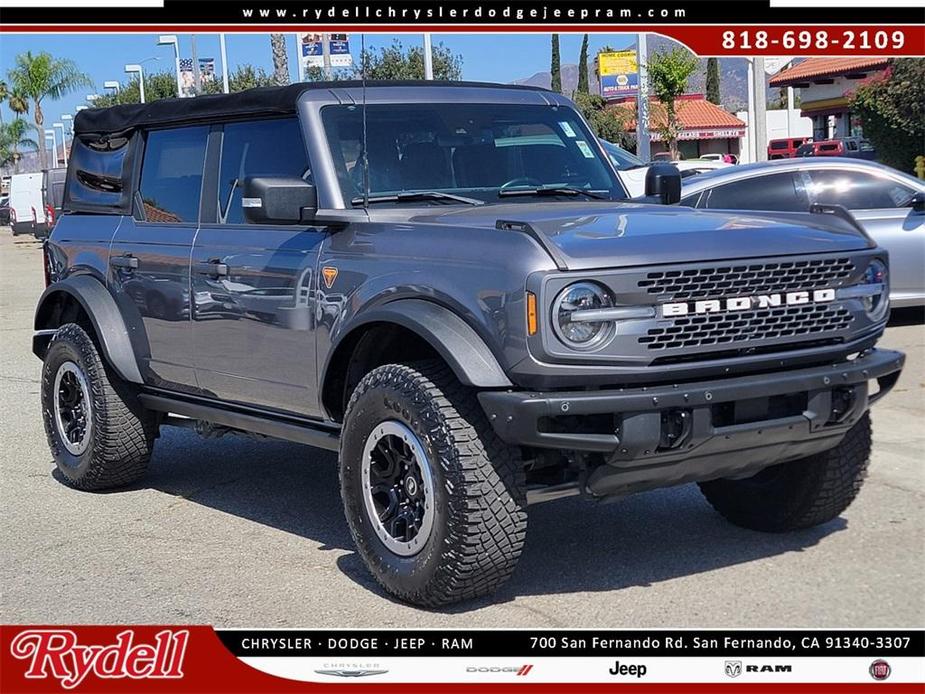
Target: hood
[589,235]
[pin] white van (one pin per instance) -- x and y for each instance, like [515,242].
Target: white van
[27,207]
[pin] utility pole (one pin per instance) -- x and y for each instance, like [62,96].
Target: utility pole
[197,78]
[428,58]
[225,69]
[326,56]
[643,145]
[760,97]
[752,138]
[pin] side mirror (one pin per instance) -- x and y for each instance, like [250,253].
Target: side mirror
[663,181]
[918,202]
[277,200]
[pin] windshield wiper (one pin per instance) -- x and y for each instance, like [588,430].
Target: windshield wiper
[552,190]
[418,195]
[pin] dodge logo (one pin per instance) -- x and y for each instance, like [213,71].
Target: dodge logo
[745,303]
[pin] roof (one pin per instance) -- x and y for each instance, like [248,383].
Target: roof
[694,112]
[815,68]
[96,122]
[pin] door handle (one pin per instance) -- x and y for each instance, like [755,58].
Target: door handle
[129,262]
[213,268]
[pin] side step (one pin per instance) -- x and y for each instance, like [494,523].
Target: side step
[306,432]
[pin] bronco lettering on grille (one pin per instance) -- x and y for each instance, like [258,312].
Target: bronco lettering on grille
[745,303]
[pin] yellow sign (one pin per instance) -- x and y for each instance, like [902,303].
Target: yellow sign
[619,73]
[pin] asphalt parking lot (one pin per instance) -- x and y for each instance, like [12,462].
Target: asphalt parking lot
[234,532]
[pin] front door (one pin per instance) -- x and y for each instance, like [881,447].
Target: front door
[150,254]
[252,285]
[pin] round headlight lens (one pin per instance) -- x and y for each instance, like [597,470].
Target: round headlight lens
[582,334]
[878,303]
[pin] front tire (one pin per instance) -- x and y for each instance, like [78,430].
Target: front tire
[799,494]
[435,502]
[99,434]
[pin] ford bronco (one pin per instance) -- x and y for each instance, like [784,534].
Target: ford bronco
[443,283]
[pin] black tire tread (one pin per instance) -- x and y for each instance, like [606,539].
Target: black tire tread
[819,488]
[488,521]
[123,430]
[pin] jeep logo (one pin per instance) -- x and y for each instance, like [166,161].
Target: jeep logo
[744,303]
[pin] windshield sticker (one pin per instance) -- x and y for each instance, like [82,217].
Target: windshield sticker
[583,146]
[566,128]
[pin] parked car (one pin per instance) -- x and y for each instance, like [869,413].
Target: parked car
[53,195]
[4,210]
[888,204]
[786,147]
[692,167]
[454,297]
[631,169]
[853,147]
[724,157]
[27,208]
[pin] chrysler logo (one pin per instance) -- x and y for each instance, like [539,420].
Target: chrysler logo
[745,303]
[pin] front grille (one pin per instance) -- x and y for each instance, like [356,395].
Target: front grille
[732,328]
[750,279]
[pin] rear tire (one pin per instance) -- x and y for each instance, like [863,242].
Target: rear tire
[99,434]
[471,519]
[799,494]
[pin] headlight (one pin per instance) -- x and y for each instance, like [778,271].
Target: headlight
[582,334]
[877,302]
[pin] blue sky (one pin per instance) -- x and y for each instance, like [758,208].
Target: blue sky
[493,58]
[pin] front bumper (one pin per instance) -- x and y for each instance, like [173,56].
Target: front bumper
[669,434]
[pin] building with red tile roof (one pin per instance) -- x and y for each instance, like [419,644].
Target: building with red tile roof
[705,127]
[825,86]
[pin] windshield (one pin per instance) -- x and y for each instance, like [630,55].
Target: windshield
[458,153]
[621,159]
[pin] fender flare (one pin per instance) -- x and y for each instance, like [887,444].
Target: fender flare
[105,316]
[454,340]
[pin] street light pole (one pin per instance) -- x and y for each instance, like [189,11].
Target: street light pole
[54,147]
[428,58]
[224,50]
[135,67]
[172,40]
[63,141]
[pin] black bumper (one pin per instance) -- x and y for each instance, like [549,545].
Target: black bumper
[695,431]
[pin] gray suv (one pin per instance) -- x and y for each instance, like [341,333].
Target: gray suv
[443,283]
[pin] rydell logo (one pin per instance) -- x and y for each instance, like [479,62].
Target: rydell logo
[55,653]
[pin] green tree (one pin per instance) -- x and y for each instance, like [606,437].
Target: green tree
[892,112]
[583,87]
[607,123]
[14,138]
[41,76]
[158,85]
[669,72]
[713,95]
[280,59]
[397,63]
[4,94]
[18,103]
[555,67]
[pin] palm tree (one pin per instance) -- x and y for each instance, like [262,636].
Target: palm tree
[18,103]
[4,93]
[14,137]
[280,59]
[42,76]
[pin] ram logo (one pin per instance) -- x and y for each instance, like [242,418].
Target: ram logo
[746,303]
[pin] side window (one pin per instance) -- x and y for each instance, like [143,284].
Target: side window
[690,200]
[257,148]
[171,175]
[857,191]
[776,192]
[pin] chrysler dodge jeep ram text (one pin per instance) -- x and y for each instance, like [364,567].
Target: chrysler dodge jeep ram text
[443,283]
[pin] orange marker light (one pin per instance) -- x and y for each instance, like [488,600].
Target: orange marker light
[531,314]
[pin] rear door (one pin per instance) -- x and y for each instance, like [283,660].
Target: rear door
[150,253]
[252,284]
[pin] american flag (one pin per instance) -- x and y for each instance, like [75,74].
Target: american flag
[186,64]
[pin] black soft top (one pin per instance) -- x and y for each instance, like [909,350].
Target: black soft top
[117,120]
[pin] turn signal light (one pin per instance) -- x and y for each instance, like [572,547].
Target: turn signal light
[531,314]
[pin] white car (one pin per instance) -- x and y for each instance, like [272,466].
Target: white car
[632,170]
[27,206]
